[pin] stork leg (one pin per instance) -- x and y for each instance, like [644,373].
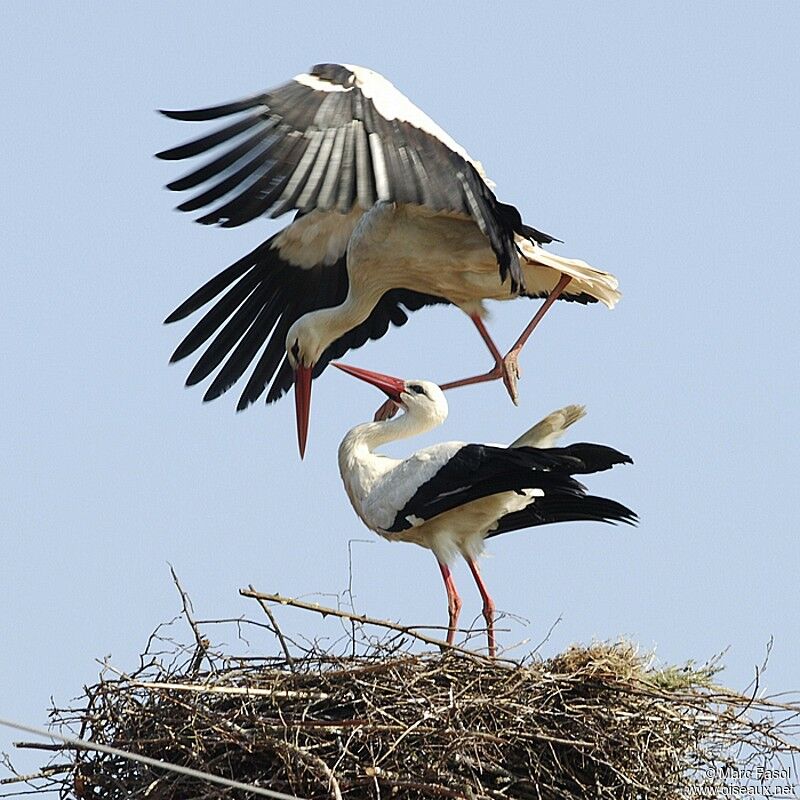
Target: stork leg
[453,602]
[510,366]
[488,604]
[495,372]
[506,367]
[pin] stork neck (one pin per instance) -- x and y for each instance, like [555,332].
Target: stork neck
[337,321]
[372,435]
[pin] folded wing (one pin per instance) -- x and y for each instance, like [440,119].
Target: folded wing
[476,471]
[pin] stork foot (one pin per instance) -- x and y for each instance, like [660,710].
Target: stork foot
[511,374]
[386,411]
[508,372]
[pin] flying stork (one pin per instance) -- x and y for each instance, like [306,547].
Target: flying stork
[391,215]
[449,497]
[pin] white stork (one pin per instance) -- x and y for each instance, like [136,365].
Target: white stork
[392,215]
[449,497]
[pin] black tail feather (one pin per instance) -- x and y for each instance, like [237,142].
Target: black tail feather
[566,508]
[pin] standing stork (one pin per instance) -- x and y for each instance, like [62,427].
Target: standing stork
[449,497]
[392,215]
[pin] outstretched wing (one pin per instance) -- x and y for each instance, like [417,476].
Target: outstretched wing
[476,471]
[258,298]
[335,137]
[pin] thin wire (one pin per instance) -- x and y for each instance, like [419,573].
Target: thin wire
[151,762]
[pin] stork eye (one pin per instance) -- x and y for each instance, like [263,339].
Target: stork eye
[416,388]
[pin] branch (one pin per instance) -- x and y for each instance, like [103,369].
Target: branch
[407,630]
[275,629]
[202,642]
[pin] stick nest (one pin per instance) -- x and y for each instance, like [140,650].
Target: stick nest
[381,720]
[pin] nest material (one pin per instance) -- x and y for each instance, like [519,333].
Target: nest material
[593,722]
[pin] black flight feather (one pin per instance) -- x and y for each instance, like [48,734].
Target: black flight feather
[312,150]
[258,298]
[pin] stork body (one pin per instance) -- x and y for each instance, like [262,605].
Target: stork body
[392,215]
[450,497]
[413,248]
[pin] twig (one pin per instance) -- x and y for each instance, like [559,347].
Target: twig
[44,772]
[202,642]
[55,748]
[276,630]
[206,688]
[309,757]
[548,634]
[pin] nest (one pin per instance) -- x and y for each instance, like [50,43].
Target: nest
[381,719]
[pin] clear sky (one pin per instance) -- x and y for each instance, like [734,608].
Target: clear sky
[659,141]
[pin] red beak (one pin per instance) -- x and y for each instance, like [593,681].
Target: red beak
[302,404]
[386,383]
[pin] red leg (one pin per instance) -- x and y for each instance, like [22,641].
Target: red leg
[453,602]
[493,374]
[510,366]
[488,605]
[477,320]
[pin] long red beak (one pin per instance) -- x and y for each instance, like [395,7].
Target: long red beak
[386,383]
[302,404]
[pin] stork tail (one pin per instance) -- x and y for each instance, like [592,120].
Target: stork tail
[586,279]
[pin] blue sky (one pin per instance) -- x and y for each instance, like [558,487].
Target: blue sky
[659,145]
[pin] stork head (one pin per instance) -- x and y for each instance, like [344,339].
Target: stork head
[421,399]
[304,348]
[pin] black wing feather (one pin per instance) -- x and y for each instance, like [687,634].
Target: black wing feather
[229,334]
[335,165]
[217,165]
[477,471]
[215,112]
[216,316]
[212,288]
[211,140]
[258,299]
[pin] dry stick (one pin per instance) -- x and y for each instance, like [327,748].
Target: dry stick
[210,688]
[202,642]
[55,748]
[275,629]
[364,620]
[44,772]
[82,744]
[310,758]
